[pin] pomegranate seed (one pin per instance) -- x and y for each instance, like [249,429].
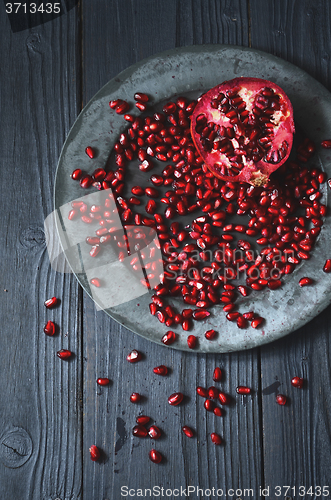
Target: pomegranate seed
[210,334]
[327,266]
[95,282]
[209,405]
[86,181]
[217,374]
[218,412]
[135,397]
[155,456]
[49,303]
[297,382]
[256,322]
[142,419]
[141,106]
[154,432]
[242,322]
[76,174]
[216,438]
[175,399]
[49,328]
[139,96]
[306,281]
[139,431]
[281,399]
[90,152]
[326,144]
[94,453]
[223,398]
[188,431]
[122,108]
[212,392]
[198,315]
[160,370]
[241,389]
[168,338]
[64,354]
[134,356]
[202,391]
[103,381]
[191,341]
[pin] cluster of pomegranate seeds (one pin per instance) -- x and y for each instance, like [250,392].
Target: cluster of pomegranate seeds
[211,257]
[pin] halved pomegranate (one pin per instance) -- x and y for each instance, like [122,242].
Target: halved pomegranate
[243,129]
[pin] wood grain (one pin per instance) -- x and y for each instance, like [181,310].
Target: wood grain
[297,436]
[40,394]
[133,33]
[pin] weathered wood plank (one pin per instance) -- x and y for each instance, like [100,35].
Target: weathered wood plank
[127,32]
[40,394]
[297,436]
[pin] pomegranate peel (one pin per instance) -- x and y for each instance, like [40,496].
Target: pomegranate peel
[243,129]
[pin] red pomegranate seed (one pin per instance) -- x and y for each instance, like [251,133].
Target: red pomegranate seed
[86,181]
[139,431]
[223,398]
[212,392]
[216,438]
[95,282]
[137,191]
[188,431]
[306,281]
[281,399]
[160,370]
[191,341]
[135,397]
[49,303]
[175,399]
[242,322]
[218,412]
[64,354]
[139,96]
[76,174]
[241,389]
[94,453]
[217,374]
[155,456]
[168,338]
[49,328]
[209,405]
[201,314]
[326,144]
[327,266]
[103,381]
[256,322]
[202,391]
[122,108]
[274,284]
[142,419]
[90,152]
[210,334]
[154,432]
[134,356]
[297,382]
[141,106]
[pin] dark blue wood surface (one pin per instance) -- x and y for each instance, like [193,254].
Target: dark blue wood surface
[52,411]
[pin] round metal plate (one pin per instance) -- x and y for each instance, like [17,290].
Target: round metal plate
[191,71]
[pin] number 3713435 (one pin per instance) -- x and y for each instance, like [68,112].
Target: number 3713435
[33,8]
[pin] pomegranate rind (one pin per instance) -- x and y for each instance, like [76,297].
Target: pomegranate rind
[255,173]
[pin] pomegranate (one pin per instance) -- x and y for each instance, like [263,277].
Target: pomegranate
[243,129]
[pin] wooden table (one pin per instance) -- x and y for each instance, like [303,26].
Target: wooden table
[52,411]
